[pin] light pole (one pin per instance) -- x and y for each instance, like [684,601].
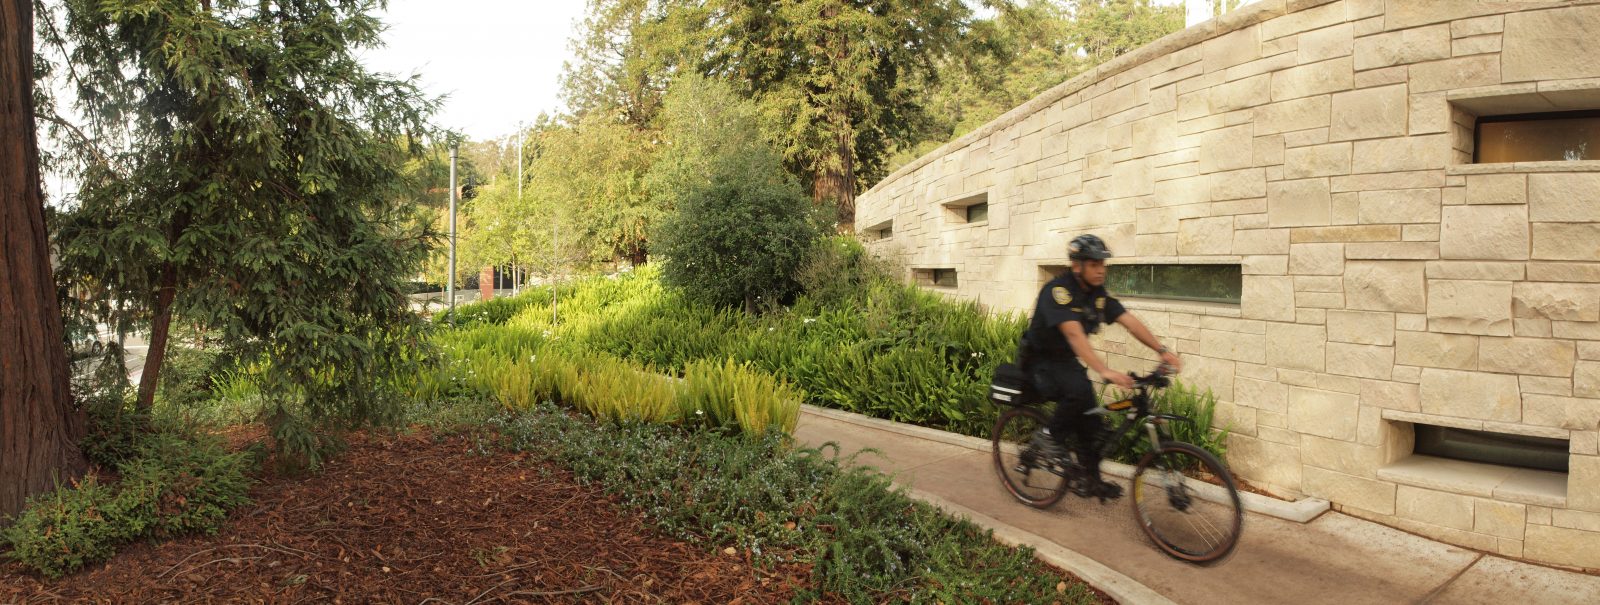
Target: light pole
[452,278]
[516,271]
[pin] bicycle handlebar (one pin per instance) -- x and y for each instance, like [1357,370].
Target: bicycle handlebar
[1157,378]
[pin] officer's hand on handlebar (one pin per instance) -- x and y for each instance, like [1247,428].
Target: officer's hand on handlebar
[1172,362]
[1117,378]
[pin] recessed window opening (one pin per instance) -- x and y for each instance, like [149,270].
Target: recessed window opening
[1564,136]
[978,213]
[939,278]
[1523,451]
[1203,283]
[883,230]
[970,209]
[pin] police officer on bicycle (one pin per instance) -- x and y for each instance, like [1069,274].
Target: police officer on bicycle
[1070,308]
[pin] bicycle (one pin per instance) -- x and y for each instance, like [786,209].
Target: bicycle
[1172,476]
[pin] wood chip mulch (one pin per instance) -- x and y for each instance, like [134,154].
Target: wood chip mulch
[408,519]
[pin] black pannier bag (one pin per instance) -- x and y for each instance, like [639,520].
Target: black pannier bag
[1012,386]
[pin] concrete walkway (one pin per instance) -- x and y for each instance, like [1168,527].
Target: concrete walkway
[1333,558]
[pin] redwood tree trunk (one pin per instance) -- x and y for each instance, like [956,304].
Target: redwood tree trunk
[837,183]
[39,426]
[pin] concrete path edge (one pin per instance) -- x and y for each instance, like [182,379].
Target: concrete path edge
[1299,511]
[1122,588]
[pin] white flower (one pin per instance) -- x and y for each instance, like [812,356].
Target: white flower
[699,412]
[810,320]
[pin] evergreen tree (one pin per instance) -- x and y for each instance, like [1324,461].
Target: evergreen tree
[243,169]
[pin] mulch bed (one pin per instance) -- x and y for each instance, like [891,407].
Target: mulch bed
[408,519]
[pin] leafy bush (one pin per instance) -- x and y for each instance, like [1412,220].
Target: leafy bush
[116,428]
[186,375]
[178,486]
[734,242]
[62,530]
[838,269]
[171,486]
[865,540]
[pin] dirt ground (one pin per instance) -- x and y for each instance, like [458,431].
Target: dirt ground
[410,520]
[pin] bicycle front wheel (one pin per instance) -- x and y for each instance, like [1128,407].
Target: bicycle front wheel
[1167,488]
[1024,469]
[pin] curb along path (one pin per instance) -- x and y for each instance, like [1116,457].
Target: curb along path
[1290,551]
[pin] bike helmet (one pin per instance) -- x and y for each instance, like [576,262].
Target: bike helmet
[1087,247]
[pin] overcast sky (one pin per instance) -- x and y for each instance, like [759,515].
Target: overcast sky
[499,60]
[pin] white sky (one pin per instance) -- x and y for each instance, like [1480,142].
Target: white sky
[498,60]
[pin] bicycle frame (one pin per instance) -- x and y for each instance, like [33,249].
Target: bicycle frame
[1141,415]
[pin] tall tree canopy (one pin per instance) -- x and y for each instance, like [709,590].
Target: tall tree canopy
[243,169]
[848,89]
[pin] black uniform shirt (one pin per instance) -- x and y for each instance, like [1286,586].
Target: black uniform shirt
[1063,300]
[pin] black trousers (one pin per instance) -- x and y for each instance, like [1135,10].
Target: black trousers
[1065,382]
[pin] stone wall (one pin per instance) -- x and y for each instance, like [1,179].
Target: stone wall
[1325,147]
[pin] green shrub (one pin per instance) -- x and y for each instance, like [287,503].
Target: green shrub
[837,269]
[170,486]
[178,486]
[115,430]
[734,242]
[186,375]
[65,529]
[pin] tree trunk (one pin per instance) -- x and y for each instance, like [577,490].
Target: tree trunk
[39,426]
[837,183]
[160,328]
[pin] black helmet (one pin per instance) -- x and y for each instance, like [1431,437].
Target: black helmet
[1087,247]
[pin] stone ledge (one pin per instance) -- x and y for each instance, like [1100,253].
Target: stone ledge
[1503,483]
[1477,425]
[1522,167]
[1181,306]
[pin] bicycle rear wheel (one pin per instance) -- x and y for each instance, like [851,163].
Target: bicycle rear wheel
[1166,500]
[1026,472]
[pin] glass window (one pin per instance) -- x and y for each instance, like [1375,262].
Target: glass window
[1207,283]
[1540,453]
[1540,137]
[978,213]
[944,278]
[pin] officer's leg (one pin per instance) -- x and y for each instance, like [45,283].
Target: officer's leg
[1078,398]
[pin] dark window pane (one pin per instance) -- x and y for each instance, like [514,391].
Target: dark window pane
[978,213]
[945,278]
[1534,138]
[1208,283]
[1492,448]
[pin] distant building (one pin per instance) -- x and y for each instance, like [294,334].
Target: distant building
[1372,228]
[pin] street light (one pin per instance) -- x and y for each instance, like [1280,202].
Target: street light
[452,279]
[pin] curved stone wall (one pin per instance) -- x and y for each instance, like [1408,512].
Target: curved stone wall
[1388,282]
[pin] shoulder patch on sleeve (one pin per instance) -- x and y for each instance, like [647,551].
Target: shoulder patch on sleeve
[1061,295]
